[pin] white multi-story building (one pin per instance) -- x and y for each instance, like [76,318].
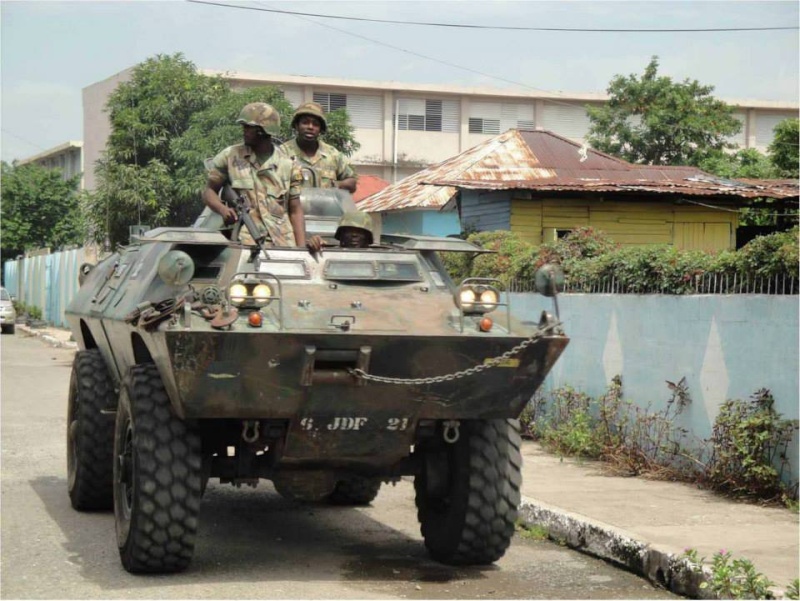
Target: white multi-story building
[434,122]
[67,157]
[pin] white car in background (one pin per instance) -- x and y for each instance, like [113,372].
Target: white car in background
[8,315]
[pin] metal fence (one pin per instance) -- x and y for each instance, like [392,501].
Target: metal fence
[708,283]
[46,281]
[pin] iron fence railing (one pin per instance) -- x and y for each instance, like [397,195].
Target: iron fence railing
[708,283]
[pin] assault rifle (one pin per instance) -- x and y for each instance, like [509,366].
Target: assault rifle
[241,205]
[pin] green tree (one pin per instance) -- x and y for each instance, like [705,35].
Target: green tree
[135,176]
[39,209]
[165,121]
[656,121]
[784,151]
[747,163]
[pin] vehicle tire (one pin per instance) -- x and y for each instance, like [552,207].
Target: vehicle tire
[90,433]
[8,329]
[355,491]
[157,477]
[468,493]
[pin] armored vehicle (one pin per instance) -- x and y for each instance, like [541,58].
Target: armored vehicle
[328,374]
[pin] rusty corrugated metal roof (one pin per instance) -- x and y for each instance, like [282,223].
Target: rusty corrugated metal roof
[542,160]
[506,155]
[685,188]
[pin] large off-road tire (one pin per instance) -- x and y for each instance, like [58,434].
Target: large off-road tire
[468,493]
[90,433]
[355,491]
[8,328]
[157,477]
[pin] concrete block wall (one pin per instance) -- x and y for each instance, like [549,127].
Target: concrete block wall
[725,346]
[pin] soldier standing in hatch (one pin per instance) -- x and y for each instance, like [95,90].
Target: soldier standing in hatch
[355,230]
[268,179]
[331,167]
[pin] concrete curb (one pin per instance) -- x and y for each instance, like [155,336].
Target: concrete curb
[47,338]
[660,567]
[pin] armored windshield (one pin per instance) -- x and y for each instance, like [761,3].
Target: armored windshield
[326,202]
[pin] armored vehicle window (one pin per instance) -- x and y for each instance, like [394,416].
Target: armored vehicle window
[284,269]
[350,270]
[398,271]
[373,270]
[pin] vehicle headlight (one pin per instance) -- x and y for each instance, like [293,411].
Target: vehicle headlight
[467,298]
[237,293]
[262,294]
[478,298]
[489,299]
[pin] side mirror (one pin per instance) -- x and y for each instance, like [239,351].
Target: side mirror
[549,279]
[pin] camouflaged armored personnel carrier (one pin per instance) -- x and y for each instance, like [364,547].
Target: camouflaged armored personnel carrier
[327,374]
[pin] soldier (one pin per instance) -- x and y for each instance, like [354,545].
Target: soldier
[268,179]
[354,231]
[330,168]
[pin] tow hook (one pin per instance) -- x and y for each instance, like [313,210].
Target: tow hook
[253,426]
[450,432]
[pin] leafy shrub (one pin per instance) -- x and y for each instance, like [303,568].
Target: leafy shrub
[592,261]
[750,443]
[579,244]
[771,255]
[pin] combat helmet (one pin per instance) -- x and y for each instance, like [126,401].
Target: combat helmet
[315,110]
[357,219]
[263,115]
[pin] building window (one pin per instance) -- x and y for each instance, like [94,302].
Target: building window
[331,101]
[417,114]
[478,125]
[365,112]
[496,117]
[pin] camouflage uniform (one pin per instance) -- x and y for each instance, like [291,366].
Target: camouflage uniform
[268,188]
[330,164]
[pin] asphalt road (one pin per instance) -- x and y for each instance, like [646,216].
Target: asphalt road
[252,543]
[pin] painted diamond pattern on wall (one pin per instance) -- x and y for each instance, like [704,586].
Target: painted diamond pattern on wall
[612,352]
[714,379]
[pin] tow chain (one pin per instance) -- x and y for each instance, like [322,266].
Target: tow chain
[487,364]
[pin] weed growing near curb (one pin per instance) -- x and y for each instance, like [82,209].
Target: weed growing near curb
[734,578]
[531,531]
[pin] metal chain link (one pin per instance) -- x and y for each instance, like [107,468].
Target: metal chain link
[487,364]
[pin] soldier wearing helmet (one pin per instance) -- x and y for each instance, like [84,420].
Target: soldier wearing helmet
[320,161]
[266,177]
[355,230]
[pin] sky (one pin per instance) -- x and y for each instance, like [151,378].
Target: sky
[50,51]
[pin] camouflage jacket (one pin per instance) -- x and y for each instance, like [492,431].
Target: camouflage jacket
[268,187]
[329,164]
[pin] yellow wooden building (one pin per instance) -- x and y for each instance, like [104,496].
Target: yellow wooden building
[541,185]
[628,222]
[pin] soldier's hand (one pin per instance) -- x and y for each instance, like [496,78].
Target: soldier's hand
[228,214]
[314,245]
